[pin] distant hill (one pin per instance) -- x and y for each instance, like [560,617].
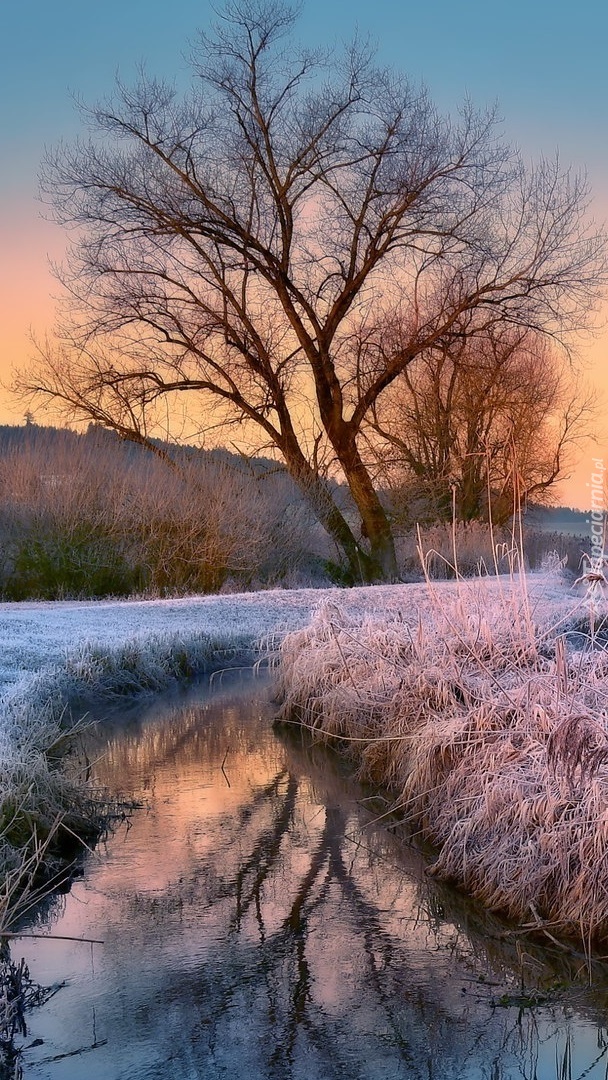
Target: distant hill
[13,437]
[562,519]
[550,519]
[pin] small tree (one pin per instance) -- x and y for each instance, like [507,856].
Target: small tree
[477,427]
[227,241]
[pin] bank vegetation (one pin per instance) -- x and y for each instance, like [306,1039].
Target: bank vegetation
[487,721]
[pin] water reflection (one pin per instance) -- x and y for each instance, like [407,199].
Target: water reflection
[257,923]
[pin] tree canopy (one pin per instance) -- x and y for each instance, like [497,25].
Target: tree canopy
[234,244]
[472,429]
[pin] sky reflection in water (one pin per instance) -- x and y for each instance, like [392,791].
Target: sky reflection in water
[256,923]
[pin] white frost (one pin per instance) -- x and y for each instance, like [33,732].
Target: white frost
[36,636]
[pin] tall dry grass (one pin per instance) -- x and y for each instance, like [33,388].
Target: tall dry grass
[476,543]
[87,516]
[489,729]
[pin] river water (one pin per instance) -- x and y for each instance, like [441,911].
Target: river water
[259,922]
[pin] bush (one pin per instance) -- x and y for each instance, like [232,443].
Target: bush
[53,567]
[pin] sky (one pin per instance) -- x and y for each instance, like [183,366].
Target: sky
[543,63]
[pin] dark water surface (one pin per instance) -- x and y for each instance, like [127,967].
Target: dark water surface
[257,923]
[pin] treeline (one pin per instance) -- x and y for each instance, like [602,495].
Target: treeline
[89,515]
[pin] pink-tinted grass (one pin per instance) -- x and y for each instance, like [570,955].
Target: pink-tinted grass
[490,731]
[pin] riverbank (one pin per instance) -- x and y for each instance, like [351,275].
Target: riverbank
[488,723]
[63,659]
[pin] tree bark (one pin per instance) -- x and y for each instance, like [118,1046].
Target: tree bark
[362,567]
[374,520]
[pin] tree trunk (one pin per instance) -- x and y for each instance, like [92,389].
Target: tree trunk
[375,525]
[360,567]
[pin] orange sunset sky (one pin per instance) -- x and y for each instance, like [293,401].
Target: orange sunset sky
[547,71]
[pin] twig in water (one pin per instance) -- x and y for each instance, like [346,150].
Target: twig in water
[223,769]
[73,1053]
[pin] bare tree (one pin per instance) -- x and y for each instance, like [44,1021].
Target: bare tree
[475,427]
[227,241]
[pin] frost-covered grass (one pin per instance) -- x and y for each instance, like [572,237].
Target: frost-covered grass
[489,729]
[38,636]
[60,659]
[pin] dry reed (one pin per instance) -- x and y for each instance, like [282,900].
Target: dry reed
[491,732]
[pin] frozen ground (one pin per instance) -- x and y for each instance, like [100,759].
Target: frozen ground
[38,636]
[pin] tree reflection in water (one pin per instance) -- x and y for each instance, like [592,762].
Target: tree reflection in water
[258,924]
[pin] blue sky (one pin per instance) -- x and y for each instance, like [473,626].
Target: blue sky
[545,63]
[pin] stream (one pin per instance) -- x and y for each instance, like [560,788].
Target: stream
[259,921]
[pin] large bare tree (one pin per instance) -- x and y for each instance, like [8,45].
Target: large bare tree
[473,427]
[226,243]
